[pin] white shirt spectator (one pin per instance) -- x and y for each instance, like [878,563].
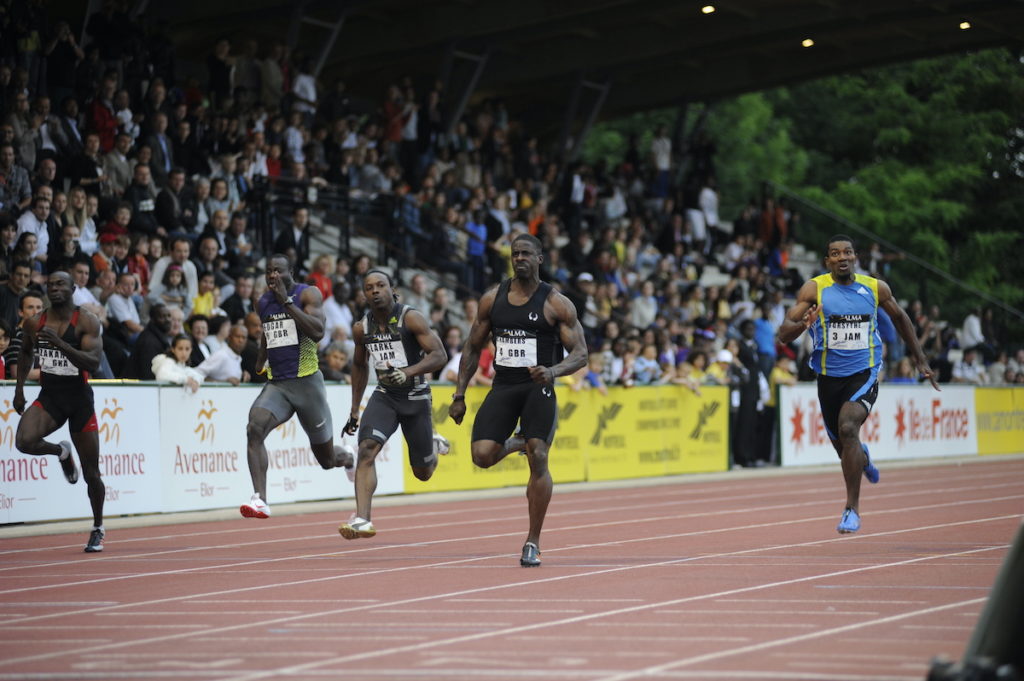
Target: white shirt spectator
[222,365]
[709,205]
[28,222]
[168,369]
[970,372]
[661,150]
[336,316]
[122,309]
[156,286]
[305,87]
[971,335]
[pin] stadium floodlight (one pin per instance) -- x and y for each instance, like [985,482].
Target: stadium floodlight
[708,9]
[807,42]
[964,25]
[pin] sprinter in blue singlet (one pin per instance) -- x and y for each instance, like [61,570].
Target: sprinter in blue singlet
[840,310]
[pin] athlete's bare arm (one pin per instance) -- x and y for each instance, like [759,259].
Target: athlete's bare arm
[801,315]
[903,325]
[25,357]
[435,356]
[309,313]
[359,377]
[479,334]
[261,354]
[562,313]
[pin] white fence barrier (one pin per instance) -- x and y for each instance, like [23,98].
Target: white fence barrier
[165,449]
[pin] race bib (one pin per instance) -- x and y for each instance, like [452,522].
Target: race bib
[849,334]
[387,353]
[280,333]
[56,363]
[515,352]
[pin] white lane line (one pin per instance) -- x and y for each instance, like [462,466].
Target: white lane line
[357,574]
[674,502]
[766,645]
[303,668]
[234,567]
[382,651]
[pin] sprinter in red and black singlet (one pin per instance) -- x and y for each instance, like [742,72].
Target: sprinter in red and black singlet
[292,317]
[67,341]
[403,350]
[531,324]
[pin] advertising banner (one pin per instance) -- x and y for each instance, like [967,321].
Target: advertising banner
[34,488]
[907,422]
[1000,420]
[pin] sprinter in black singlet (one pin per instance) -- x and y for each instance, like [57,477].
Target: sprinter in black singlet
[67,340]
[531,324]
[403,350]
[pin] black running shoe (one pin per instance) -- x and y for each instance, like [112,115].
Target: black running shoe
[531,555]
[95,544]
[68,464]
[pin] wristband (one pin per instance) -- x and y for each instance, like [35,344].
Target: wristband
[458,398]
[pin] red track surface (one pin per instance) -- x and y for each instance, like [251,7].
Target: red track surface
[739,576]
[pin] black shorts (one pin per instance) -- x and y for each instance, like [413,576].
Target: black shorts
[532,405]
[835,391]
[76,406]
[385,412]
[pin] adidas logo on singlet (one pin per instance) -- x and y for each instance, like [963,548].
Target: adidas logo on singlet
[863,291]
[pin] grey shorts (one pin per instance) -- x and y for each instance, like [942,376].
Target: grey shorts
[305,397]
[385,412]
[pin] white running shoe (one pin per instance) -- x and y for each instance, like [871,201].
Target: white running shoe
[441,444]
[256,508]
[357,527]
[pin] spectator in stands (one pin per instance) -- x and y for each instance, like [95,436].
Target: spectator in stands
[225,364]
[15,188]
[970,368]
[180,248]
[173,210]
[162,148]
[294,238]
[117,168]
[123,313]
[240,303]
[172,365]
[12,290]
[34,222]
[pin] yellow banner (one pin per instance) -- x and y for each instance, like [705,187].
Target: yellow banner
[631,432]
[1000,413]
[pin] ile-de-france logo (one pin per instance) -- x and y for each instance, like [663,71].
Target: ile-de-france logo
[546,390]
[205,427]
[110,429]
[706,412]
[533,316]
[606,416]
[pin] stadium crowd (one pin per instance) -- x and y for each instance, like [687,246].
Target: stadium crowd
[141,184]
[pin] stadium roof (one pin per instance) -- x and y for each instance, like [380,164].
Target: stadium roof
[650,53]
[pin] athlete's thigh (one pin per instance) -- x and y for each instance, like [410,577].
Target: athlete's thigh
[270,410]
[417,424]
[498,415]
[539,416]
[379,420]
[37,422]
[310,404]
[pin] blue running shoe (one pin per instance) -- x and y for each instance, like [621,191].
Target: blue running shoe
[870,469]
[849,523]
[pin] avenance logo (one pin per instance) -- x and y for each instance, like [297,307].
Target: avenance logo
[706,412]
[206,430]
[286,430]
[7,432]
[566,411]
[109,428]
[606,416]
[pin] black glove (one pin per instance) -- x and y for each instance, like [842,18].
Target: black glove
[351,426]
